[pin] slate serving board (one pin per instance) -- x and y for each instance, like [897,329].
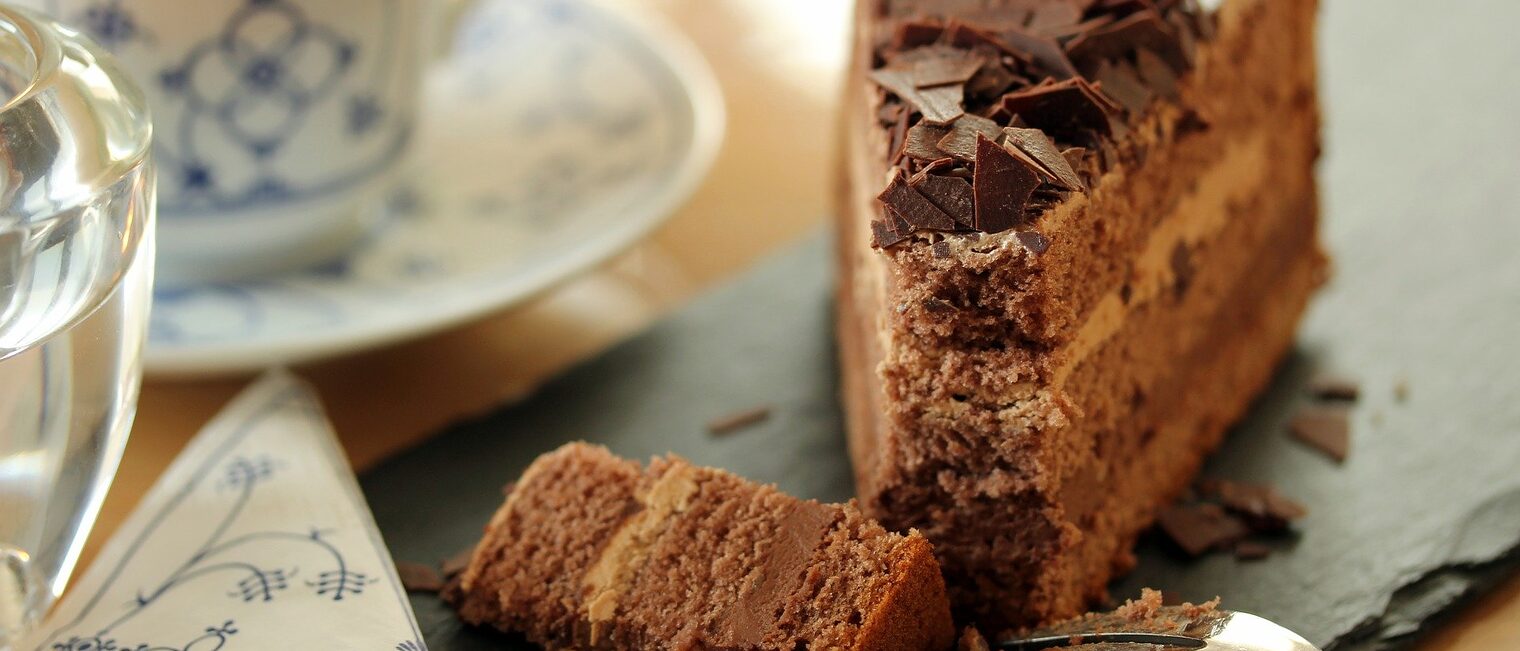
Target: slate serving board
[1423,218]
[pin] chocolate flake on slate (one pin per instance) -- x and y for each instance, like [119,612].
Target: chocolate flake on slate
[923,141]
[950,194]
[1121,82]
[913,207]
[1001,185]
[738,420]
[1333,388]
[1033,241]
[1262,507]
[960,142]
[1061,108]
[1039,147]
[1251,551]
[1201,528]
[416,577]
[1326,429]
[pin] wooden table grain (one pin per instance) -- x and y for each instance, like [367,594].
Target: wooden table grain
[778,62]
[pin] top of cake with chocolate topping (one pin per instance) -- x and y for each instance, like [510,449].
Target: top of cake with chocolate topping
[998,110]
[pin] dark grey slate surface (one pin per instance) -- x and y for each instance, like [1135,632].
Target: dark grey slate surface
[1422,205]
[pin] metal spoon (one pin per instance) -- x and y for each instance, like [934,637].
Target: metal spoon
[1221,630]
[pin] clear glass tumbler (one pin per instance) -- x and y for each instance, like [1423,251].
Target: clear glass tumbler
[76,267]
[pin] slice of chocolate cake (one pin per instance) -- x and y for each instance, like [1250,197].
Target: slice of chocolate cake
[592,551]
[1076,238]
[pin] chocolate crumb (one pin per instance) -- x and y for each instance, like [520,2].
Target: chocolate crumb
[738,420]
[1033,241]
[1251,551]
[1182,268]
[1201,528]
[1325,429]
[1401,390]
[417,577]
[1333,388]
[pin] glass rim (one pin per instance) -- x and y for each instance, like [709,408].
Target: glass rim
[43,52]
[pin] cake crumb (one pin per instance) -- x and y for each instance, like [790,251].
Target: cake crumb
[972,640]
[1142,609]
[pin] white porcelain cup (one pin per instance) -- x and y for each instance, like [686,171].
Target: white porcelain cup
[278,124]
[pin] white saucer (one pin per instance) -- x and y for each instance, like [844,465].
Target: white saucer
[556,133]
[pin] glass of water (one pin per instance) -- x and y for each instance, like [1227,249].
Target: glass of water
[76,269]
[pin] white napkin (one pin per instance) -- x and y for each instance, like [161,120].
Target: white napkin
[256,537]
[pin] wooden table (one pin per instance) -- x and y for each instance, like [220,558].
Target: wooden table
[778,62]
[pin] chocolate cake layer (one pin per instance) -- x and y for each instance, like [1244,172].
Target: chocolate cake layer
[1029,397]
[592,551]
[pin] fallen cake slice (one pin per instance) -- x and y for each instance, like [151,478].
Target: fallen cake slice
[593,551]
[1076,238]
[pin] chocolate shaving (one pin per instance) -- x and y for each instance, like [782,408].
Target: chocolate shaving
[1261,507]
[960,142]
[417,577]
[738,420]
[913,207]
[1039,147]
[1156,74]
[1045,53]
[1201,528]
[950,194]
[1141,30]
[923,141]
[1326,429]
[1061,108]
[991,80]
[939,104]
[1054,15]
[1121,82]
[882,236]
[914,34]
[1251,551]
[1002,185]
[940,65]
[456,564]
[1334,388]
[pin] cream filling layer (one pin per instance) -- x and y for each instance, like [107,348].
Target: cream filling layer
[1198,217]
[607,580]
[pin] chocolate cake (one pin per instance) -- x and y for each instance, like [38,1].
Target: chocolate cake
[592,551]
[1076,238]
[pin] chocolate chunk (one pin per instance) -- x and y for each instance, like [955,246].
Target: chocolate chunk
[1334,388]
[923,141]
[416,577]
[941,252]
[1001,185]
[913,207]
[1201,528]
[1047,56]
[1261,507]
[1033,241]
[1156,74]
[950,194]
[1061,108]
[1326,429]
[1121,82]
[738,420]
[1251,551]
[960,142]
[1039,147]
